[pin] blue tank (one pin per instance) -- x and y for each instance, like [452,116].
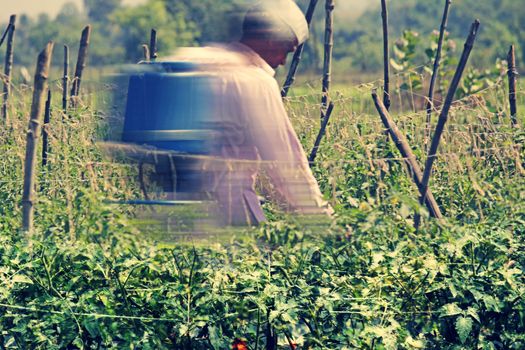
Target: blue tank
[169,106]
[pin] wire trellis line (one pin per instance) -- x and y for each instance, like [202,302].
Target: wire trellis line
[269,162]
[370,312]
[86,314]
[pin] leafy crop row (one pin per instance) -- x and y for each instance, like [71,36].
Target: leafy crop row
[89,279]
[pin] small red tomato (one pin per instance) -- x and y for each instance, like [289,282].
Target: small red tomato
[239,344]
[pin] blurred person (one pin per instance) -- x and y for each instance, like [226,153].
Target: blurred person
[254,132]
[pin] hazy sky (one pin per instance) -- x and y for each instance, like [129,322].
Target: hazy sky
[351,8]
[34,7]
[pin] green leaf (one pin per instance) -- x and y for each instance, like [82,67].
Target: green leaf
[428,70]
[472,312]
[453,290]
[491,303]
[21,279]
[399,53]
[430,54]
[451,309]
[78,343]
[104,299]
[463,328]
[415,343]
[273,315]
[92,327]
[404,211]
[396,66]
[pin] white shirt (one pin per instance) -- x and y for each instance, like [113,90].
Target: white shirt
[256,136]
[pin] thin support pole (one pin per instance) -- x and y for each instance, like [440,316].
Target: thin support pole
[321,134]
[386,56]
[47,117]
[81,60]
[33,133]
[431,157]
[7,29]
[8,65]
[153,45]
[145,52]
[328,48]
[290,79]
[65,79]
[406,152]
[437,63]
[513,74]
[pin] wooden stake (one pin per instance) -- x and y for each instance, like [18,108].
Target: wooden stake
[8,65]
[153,45]
[290,79]
[386,56]
[328,48]
[406,152]
[47,117]
[431,157]
[437,63]
[145,52]
[7,29]
[33,133]
[512,73]
[81,60]
[321,134]
[65,79]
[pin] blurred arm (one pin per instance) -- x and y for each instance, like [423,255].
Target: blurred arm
[282,155]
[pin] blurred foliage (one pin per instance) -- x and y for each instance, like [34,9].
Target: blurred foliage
[501,26]
[119,30]
[135,24]
[100,10]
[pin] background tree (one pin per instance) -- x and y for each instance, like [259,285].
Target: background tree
[119,30]
[133,26]
[101,10]
[216,20]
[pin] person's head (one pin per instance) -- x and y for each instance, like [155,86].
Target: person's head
[274,28]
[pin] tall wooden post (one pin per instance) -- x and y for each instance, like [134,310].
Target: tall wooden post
[33,134]
[328,48]
[47,118]
[153,45]
[386,56]
[443,117]
[512,73]
[437,63]
[145,52]
[7,29]
[65,79]
[290,79]
[320,135]
[8,65]
[406,151]
[81,60]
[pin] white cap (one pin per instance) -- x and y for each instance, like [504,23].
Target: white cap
[284,14]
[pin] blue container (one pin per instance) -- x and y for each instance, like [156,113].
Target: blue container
[169,106]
